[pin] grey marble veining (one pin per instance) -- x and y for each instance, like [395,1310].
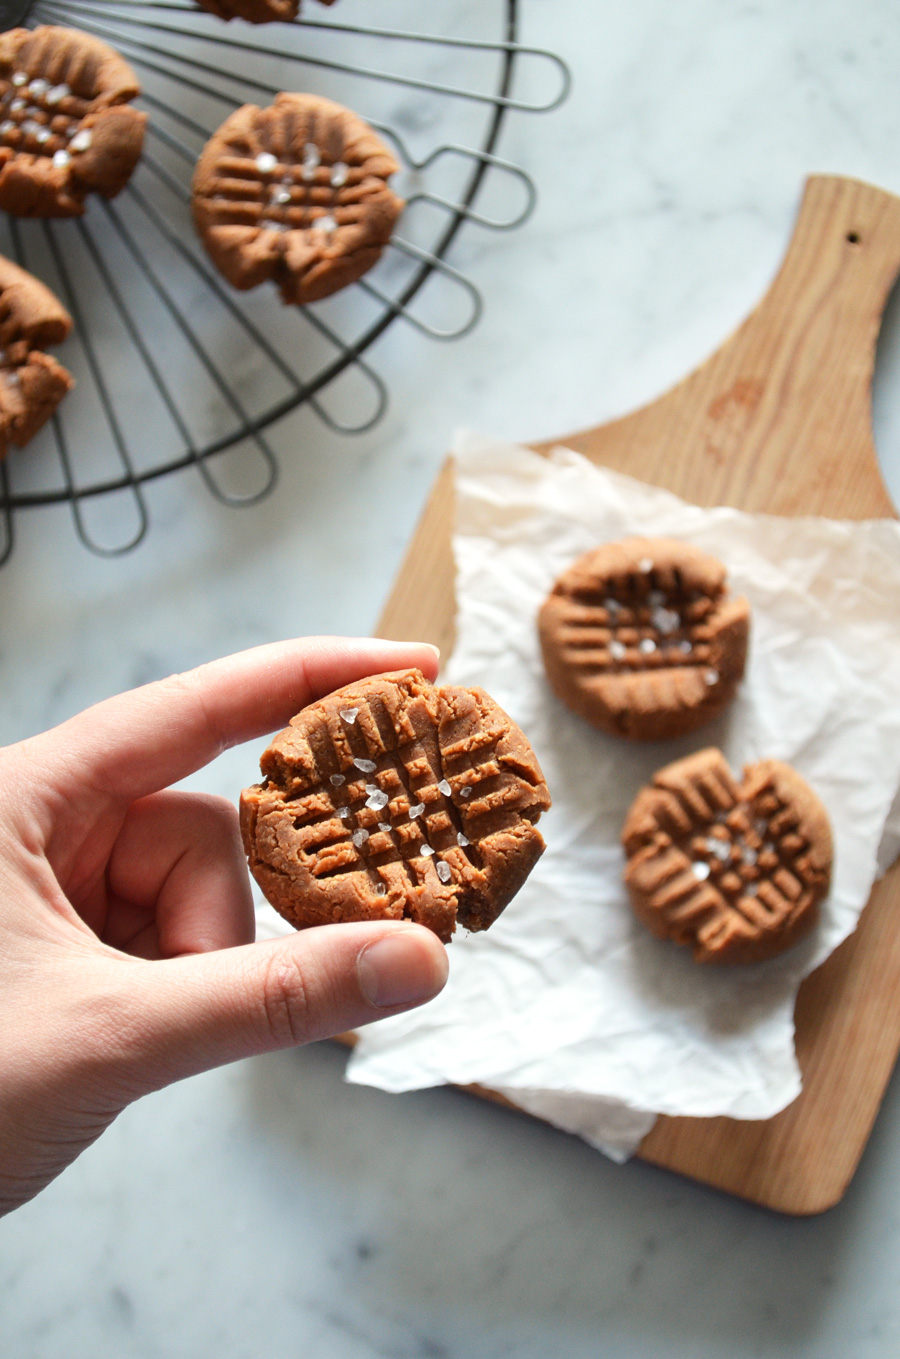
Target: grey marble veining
[268,1209]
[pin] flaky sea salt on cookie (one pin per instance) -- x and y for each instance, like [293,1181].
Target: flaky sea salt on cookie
[67,127]
[296,193]
[736,871]
[642,640]
[396,799]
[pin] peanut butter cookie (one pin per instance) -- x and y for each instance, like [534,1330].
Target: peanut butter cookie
[734,870]
[396,799]
[641,639]
[66,127]
[256,11]
[32,383]
[296,192]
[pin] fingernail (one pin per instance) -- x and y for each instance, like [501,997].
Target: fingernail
[400,969]
[435,649]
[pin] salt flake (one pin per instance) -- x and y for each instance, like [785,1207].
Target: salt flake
[443,871]
[82,140]
[359,837]
[349,715]
[444,787]
[364,766]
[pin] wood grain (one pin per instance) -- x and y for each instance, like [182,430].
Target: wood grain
[777,420]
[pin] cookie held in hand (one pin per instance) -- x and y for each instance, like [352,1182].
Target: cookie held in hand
[32,383]
[66,126]
[297,193]
[734,870]
[396,799]
[642,640]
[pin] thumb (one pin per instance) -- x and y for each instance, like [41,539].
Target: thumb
[185,1015]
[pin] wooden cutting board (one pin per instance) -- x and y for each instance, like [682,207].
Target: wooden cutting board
[777,420]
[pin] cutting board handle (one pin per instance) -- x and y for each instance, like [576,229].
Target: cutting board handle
[779,418]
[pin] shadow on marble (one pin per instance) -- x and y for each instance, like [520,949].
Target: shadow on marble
[521,1226]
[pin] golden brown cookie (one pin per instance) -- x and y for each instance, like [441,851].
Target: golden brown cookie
[396,799]
[296,192]
[66,127]
[32,384]
[735,871]
[256,11]
[641,639]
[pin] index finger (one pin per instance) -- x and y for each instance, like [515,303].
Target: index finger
[141,741]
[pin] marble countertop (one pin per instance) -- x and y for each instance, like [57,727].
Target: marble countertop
[267,1208]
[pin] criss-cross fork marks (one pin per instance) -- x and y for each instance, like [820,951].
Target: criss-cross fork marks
[284,175]
[721,866]
[396,803]
[630,628]
[41,117]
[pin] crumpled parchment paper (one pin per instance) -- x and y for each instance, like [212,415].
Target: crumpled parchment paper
[567,1005]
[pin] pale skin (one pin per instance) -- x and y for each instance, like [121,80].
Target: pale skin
[126,921]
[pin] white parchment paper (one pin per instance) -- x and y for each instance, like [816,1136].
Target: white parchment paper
[567,1005]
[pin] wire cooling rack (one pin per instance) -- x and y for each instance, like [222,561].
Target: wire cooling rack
[176,370]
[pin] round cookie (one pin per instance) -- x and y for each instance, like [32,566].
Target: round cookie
[66,127]
[32,383]
[256,11]
[296,192]
[396,799]
[641,639]
[734,871]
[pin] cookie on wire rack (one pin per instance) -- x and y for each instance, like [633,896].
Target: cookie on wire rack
[396,799]
[296,193]
[256,11]
[66,125]
[32,383]
[642,639]
[735,871]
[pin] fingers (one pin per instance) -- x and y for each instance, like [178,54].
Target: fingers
[177,878]
[173,1019]
[141,741]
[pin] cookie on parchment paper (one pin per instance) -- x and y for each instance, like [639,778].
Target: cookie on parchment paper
[736,871]
[642,640]
[32,383]
[66,126]
[297,193]
[396,799]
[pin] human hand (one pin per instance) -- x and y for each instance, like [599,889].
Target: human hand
[126,920]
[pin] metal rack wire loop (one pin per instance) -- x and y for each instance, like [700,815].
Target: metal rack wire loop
[175,369]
